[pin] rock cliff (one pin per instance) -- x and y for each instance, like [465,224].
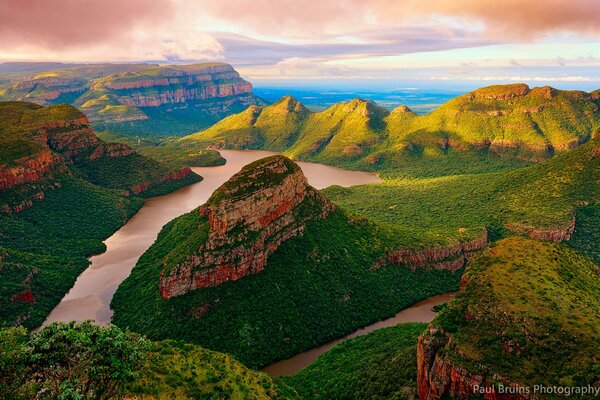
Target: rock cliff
[449,258]
[245,221]
[512,329]
[194,95]
[41,143]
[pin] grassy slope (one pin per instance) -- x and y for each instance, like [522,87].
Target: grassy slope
[380,365]
[545,297]
[450,140]
[184,371]
[440,209]
[315,287]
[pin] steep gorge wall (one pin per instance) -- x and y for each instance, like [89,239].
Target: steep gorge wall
[438,376]
[449,258]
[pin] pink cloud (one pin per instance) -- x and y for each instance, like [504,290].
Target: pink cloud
[59,24]
[518,19]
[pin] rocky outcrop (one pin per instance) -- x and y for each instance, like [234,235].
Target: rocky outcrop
[449,258]
[439,377]
[43,90]
[176,86]
[500,92]
[246,220]
[36,167]
[111,150]
[553,235]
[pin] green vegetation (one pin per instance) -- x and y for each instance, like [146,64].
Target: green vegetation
[50,224]
[380,365]
[434,210]
[545,299]
[109,172]
[86,361]
[69,361]
[315,288]
[586,237]
[490,129]
[162,150]
[185,371]
[45,245]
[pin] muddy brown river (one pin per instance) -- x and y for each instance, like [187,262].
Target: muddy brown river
[90,297]
[419,312]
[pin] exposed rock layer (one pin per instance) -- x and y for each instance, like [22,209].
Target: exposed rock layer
[246,220]
[439,377]
[443,258]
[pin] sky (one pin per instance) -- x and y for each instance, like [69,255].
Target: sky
[356,43]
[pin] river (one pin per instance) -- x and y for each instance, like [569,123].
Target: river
[93,290]
[419,312]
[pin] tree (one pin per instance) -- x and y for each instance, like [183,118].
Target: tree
[85,361]
[14,353]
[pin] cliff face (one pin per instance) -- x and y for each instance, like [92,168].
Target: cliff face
[553,235]
[245,221]
[512,327]
[41,143]
[449,258]
[178,86]
[199,94]
[438,376]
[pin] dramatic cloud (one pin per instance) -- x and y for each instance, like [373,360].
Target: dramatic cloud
[308,19]
[303,38]
[68,23]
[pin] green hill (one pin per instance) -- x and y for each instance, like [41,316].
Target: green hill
[85,361]
[380,365]
[528,315]
[496,127]
[539,200]
[62,192]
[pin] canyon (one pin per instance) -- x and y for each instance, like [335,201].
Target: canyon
[57,139]
[138,97]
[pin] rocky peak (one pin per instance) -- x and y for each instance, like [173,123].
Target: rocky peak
[288,104]
[359,107]
[245,220]
[403,109]
[500,92]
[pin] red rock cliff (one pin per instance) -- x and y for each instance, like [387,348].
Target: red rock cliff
[178,86]
[246,220]
[438,377]
[447,258]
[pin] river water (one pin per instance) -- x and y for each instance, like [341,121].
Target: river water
[419,312]
[90,297]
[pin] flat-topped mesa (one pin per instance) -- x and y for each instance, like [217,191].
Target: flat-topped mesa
[244,221]
[175,85]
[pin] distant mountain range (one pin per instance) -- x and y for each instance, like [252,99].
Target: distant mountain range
[135,98]
[509,120]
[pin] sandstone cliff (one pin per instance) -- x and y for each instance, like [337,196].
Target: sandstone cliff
[513,326]
[449,258]
[41,143]
[245,221]
[197,94]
